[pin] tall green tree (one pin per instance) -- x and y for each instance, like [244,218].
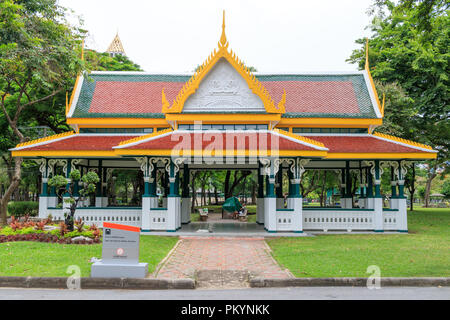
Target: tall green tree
[39,56]
[409,49]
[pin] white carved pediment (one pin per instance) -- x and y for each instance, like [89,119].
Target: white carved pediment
[223,90]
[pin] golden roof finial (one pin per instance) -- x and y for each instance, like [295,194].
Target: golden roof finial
[223,37]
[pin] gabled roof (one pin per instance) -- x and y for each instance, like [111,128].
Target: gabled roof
[138,94]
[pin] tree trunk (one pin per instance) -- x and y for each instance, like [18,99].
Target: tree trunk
[15,181]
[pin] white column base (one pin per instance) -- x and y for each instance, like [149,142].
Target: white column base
[52,202]
[297,221]
[164,202]
[43,205]
[145,219]
[402,219]
[378,215]
[260,210]
[100,202]
[173,213]
[393,203]
[346,203]
[270,214]
[370,203]
[185,210]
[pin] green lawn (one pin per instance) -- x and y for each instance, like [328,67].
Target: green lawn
[425,251]
[52,260]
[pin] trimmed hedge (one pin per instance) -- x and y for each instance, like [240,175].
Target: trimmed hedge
[23,208]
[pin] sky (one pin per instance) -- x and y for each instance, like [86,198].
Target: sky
[174,36]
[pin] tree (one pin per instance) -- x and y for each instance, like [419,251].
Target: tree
[446,189]
[403,55]
[89,181]
[39,57]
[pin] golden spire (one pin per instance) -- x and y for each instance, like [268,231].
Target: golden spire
[116,46]
[223,37]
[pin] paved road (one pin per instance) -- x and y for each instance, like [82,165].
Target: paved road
[316,293]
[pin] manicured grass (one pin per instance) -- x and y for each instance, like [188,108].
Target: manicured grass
[424,252]
[51,260]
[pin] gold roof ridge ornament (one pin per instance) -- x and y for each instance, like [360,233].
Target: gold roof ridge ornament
[366,67]
[191,86]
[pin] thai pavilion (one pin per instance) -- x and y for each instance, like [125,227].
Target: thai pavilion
[225,117]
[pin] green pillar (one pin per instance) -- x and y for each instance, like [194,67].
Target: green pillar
[279,181]
[369,184]
[69,169]
[260,182]
[377,179]
[100,181]
[270,190]
[348,180]
[393,186]
[152,183]
[401,182]
[44,180]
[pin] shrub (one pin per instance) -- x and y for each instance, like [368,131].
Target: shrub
[23,208]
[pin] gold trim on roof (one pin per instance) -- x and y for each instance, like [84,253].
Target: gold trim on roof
[300,138]
[144,137]
[411,143]
[193,83]
[45,139]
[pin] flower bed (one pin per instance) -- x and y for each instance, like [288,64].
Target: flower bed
[46,231]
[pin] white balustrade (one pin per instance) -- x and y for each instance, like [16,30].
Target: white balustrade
[390,218]
[338,219]
[158,218]
[90,216]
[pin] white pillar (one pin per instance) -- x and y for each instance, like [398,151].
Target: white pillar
[145,225]
[297,221]
[260,210]
[378,214]
[43,205]
[173,212]
[100,202]
[402,217]
[270,214]
[185,210]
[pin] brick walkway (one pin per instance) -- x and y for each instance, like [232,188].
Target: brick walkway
[221,254]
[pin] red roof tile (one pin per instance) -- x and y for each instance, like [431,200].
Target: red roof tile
[82,142]
[132,97]
[315,96]
[360,144]
[242,141]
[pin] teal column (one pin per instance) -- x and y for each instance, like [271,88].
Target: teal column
[185,184]
[343,184]
[377,179]
[172,180]
[69,169]
[100,175]
[361,186]
[401,182]
[270,187]
[260,182]
[393,186]
[152,183]
[348,180]
[177,184]
[45,180]
[291,186]
[369,184]
[279,181]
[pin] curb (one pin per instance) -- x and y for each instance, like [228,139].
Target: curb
[97,283]
[347,282]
